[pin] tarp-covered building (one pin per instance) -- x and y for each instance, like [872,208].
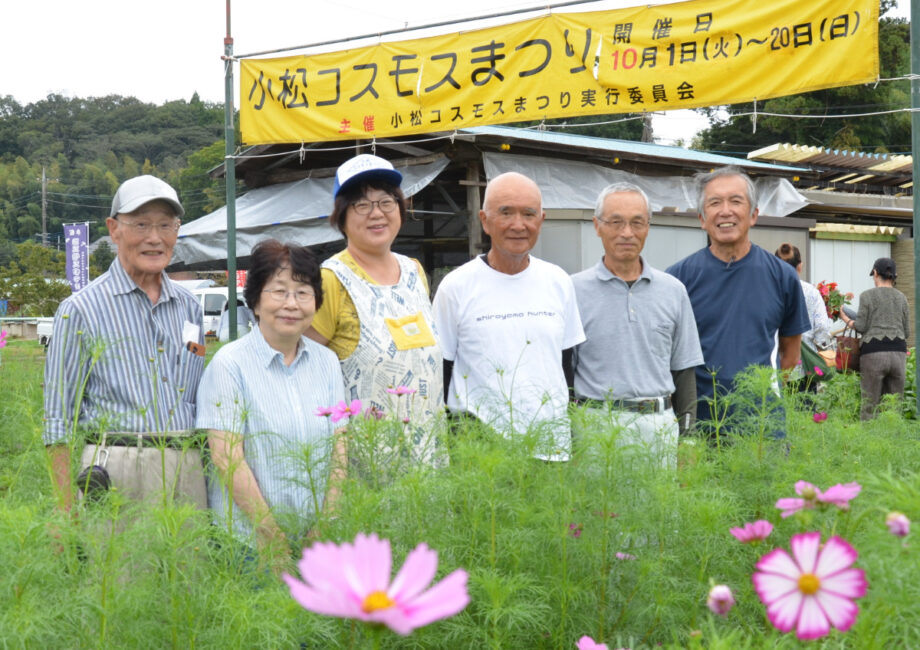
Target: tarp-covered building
[291,194]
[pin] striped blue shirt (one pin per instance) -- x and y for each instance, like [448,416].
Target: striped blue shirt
[247,389]
[130,354]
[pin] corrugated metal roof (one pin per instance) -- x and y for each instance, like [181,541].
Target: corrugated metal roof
[857,229]
[859,160]
[628,147]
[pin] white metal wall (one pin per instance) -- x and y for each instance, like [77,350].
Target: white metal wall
[847,263]
[668,244]
[574,245]
[564,242]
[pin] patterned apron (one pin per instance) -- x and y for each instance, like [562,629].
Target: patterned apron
[397,347]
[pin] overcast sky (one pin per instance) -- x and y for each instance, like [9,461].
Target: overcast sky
[168,49]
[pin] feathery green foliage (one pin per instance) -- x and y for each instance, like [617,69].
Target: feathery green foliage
[539,540]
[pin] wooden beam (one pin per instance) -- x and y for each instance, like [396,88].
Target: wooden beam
[473,205]
[854,236]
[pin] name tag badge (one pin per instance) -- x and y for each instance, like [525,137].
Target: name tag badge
[410,332]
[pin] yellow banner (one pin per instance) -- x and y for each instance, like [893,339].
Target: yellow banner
[684,55]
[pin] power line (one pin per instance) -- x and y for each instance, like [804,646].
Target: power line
[107,197]
[79,205]
[825,116]
[22,200]
[416,28]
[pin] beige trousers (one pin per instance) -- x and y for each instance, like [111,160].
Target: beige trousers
[653,436]
[145,473]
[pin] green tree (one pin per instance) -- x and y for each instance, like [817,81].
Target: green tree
[200,194]
[100,259]
[34,282]
[7,252]
[90,145]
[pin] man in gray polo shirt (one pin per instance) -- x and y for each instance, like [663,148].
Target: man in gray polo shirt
[642,344]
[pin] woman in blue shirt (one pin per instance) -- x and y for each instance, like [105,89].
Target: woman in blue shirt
[278,465]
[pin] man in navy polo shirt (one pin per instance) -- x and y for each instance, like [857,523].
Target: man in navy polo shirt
[742,296]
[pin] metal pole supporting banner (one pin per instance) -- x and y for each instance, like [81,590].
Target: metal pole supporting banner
[230,146]
[915,150]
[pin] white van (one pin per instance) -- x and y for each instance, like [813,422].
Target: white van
[212,301]
[44,329]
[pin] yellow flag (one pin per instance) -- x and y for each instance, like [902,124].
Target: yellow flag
[684,55]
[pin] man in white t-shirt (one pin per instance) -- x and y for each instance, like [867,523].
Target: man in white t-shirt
[505,319]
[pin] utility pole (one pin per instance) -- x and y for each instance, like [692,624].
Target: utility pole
[647,134]
[44,208]
[229,162]
[915,150]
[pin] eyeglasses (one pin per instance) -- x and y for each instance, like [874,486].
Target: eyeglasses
[364,207]
[619,224]
[302,296]
[143,227]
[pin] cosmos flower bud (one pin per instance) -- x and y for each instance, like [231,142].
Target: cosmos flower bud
[898,524]
[720,600]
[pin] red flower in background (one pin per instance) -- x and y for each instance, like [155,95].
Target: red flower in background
[833,299]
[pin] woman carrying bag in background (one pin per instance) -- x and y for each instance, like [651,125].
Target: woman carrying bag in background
[883,319]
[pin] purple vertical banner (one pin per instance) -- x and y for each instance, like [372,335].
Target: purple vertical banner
[76,241]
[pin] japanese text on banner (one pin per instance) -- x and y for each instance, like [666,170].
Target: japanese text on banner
[76,242]
[684,55]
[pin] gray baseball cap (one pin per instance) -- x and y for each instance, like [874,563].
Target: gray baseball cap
[137,191]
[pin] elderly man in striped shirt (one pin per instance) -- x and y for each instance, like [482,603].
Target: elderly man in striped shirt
[124,363]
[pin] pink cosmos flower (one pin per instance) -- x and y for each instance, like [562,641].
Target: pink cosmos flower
[345,410]
[3,335]
[819,372]
[625,556]
[809,494]
[720,600]
[898,524]
[401,390]
[587,643]
[840,495]
[813,589]
[820,416]
[576,530]
[353,581]
[372,413]
[753,532]
[323,411]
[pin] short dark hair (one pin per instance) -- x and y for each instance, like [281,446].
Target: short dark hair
[886,268]
[789,253]
[351,194]
[270,256]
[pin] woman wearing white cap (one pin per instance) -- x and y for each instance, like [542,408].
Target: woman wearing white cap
[883,320]
[377,313]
